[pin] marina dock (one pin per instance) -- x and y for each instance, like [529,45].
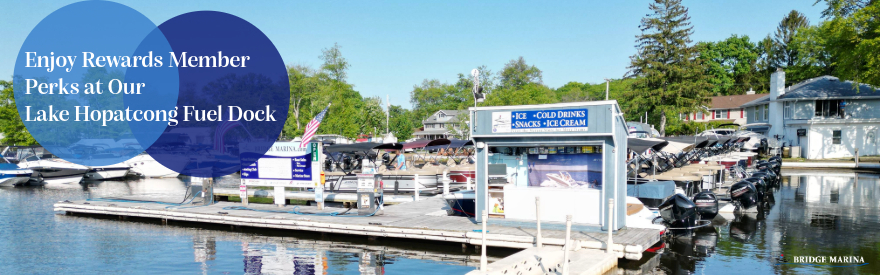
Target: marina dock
[420,220]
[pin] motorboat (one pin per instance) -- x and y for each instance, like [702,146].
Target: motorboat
[640,216]
[12,175]
[462,203]
[46,167]
[146,166]
[106,172]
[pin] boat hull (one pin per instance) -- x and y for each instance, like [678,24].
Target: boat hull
[101,173]
[14,180]
[462,203]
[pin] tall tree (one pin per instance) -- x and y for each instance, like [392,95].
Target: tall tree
[517,73]
[14,132]
[334,63]
[402,122]
[304,86]
[730,64]
[669,80]
[785,54]
[852,38]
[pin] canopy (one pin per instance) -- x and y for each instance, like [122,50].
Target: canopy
[425,143]
[640,145]
[363,146]
[453,143]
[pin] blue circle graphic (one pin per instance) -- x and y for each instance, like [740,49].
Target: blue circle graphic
[86,77]
[234,94]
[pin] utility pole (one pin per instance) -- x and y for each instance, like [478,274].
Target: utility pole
[387,114]
[607,87]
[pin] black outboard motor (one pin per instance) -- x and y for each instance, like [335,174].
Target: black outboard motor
[764,147]
[328,165]
[759,184]
[707,205]
[744,195]
[678,212]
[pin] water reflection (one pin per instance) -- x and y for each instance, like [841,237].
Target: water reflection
[37,240]
[811,214]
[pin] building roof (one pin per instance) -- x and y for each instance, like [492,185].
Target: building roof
[447,116]
[732,101]
[431,132]
[762,100]
[829,87]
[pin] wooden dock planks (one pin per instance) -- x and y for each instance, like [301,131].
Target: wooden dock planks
[407,220]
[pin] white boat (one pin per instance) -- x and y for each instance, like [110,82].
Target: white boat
[12,175]
[46,167]
[145,166]
[639,216]
[113,171]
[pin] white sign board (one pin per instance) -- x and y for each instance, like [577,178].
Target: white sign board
[285,164]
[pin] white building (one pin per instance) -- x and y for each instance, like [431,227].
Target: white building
[826,117]
[438,125]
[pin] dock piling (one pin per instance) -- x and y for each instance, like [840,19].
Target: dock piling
[538,241]
[445,181]
[416,185]
[468,187]
[610,243]
[243,193]
[483,261]
[567,245]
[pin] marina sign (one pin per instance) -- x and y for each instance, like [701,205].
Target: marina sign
[284,164]
[565,120]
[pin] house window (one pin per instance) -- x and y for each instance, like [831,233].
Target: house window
[835,137]
[719,114]
[786,110]
[700,114]
[829,108]
[756,113]
[766,112]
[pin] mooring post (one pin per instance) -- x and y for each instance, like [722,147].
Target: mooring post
[243,192]
[567,246]
[483,261]
[445,183]
[609,243]
[468,187]
[538,241]
[416,185]
[857,157]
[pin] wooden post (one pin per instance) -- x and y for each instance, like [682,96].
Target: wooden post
[609,243]
[483,261]
[445,181]
[567,246]
[416,186]
[243,193]
[857,157]
[538,241]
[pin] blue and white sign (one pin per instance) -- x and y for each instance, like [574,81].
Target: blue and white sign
[565,120]
[285,164]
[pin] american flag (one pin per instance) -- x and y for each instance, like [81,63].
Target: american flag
[312,127]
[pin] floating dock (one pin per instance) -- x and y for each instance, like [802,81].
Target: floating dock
[420,220]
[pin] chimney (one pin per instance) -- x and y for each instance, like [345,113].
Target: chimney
[777,84]
[750,92]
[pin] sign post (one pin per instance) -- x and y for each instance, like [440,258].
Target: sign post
[243,193]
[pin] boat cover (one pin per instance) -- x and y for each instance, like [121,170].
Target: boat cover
[425,143]
[699,142]
[651,189]
[639,145]
[453,143]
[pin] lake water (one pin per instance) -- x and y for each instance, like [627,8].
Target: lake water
[832,213]
[815,214]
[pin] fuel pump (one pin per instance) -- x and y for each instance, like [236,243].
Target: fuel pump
[370,193]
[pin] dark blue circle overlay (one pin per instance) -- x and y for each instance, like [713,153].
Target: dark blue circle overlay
[84,81]
[234,94]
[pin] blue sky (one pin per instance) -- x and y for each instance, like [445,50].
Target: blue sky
[394,45]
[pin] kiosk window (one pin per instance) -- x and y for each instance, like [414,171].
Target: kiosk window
[835,137]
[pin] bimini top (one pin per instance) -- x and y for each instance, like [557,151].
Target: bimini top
[363,146]
[639,145]
[453,143]
[425,143]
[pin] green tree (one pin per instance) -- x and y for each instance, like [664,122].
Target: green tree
[852,38]
[784,54]
[371,118]
[669,80]
[334,63]
[14,132]
[305,83]
[813,59]
[402,122]
[730,64]
[517,74]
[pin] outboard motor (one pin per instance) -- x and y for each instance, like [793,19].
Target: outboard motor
[328,164]
[744,195]
[759,184]
[678,212]
[764,147]
[707,205]
[386,159]
[346,163]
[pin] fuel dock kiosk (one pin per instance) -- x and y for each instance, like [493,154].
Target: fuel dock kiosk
[572,155]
